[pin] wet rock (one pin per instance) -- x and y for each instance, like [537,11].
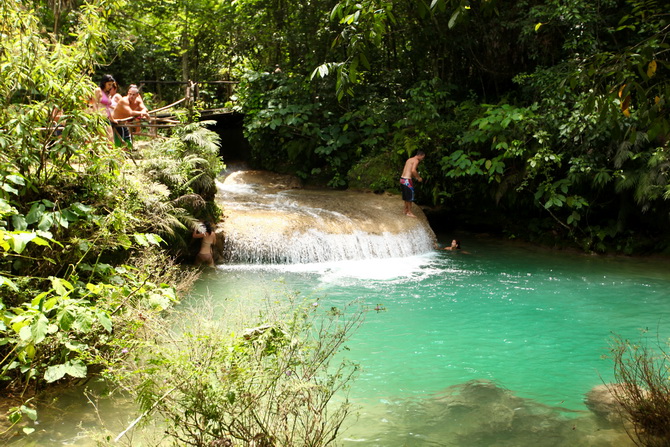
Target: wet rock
[602,403]
[268,180]
[269,220]
[481,414]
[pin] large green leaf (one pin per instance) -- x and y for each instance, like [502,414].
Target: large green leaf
[19,222]
[35,213]
[65,319]
[61,286]
[54,372]
[19,240]
[104,320]
[76,368]
[39,328]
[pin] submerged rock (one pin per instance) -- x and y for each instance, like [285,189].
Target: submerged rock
[479,413]
[603,404]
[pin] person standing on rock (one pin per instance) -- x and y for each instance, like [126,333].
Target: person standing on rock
[409,173]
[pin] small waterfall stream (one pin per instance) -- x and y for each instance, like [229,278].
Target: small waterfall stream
[269,220]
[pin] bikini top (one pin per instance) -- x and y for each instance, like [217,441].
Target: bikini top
[107,102]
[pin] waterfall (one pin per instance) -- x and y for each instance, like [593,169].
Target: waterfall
[267,222]
[317,246]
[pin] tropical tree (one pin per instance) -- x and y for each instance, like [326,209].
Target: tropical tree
[75,242]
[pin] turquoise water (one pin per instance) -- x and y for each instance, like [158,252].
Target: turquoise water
[533,322]
[496,347]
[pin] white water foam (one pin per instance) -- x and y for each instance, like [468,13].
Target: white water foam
[335,272]
[317,246]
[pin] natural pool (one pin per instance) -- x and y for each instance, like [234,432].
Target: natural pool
[536,323]
[530,325]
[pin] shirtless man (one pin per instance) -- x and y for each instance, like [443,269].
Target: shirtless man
[130,106]
[409,172]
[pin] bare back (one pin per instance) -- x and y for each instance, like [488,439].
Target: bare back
[409,171]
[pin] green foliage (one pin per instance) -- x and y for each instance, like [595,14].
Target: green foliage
[536,107]
[179,175]
[377,173]
[364,25]
[283,128]
[187,162]
[40,78]
[77,246]
[16,414]
[271,383]
[170,41]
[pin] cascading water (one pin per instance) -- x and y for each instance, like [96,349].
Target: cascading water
[268,222]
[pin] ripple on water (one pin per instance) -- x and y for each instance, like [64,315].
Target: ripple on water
[534,325]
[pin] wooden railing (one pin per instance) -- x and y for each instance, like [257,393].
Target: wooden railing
[155,122]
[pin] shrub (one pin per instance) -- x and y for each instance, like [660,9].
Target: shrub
[643,390]
[378,173]
[272,384]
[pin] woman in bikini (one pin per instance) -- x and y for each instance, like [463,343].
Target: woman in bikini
[102,100]
[208,239]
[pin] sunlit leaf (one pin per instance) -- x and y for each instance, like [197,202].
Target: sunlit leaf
[25,333]
[454,18]
[83,323]
[6,208]
[141,239]
[76,368]
[54,372]
[7,282]
[16,179]
[39,329]
[61,285]
[651,69]
[18,241]
[154,239]
[8,188]
[65,319]
[105,321]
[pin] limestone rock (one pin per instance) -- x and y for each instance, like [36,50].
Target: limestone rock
[602,403]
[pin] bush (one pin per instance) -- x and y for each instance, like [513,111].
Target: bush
[643,390]
[78,249]
[378,173]
[271,384]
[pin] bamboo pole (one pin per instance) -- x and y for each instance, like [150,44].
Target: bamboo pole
[168,106]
